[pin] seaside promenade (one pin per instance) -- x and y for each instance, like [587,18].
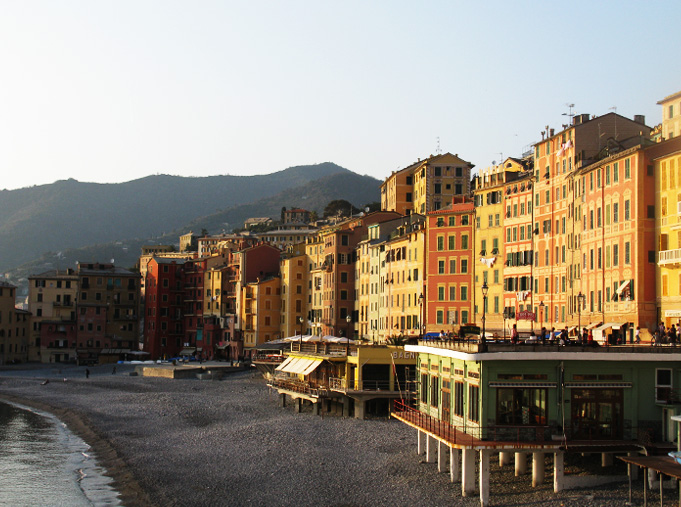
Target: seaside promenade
[229,442]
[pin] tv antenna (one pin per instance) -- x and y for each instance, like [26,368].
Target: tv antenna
[613,109]
[570,114]
[438,150]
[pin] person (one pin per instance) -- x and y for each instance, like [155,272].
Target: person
[638,334]
[113,372]
[585,336]
[514,334]
[590,338]
[442,335]
[672,336]
[564,337]
[543,336]
[87,373]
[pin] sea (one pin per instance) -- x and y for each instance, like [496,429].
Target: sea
[43,463]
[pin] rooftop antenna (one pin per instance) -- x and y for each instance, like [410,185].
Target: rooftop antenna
[613,109]
[570,114]
[438,150]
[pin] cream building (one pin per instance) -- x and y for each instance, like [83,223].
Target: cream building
[671,115]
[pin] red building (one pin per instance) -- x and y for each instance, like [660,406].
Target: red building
[164,300]
[449,291]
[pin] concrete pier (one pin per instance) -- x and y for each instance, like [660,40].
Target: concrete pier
[431,449]
[441,457]
[454,464]
[484,478]
[467,472]
[558,471]
[505,458]
[520,463]
[537,468]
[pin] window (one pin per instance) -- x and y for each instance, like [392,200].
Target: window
[440,243]
[458,398]
[627,253]
[439,317]
[627,169]
[434,391]
[441,267]
[452,266]
[663,385]
[441,293]
[464,266]
[627,210]
[452,221]
[424,388]
[474,403]
[464,294]
[452,242]
[615,212]
[518,406]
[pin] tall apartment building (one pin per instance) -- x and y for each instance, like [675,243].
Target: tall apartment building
[556,220]
[493,210]
[426,185]
[450,292]
[338,270]
[518,252]
[261,310]
[666,165]
[295,292]
[52,298]
[14,327]
[390,274]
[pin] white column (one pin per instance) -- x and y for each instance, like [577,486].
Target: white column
[484,478]
[454,464]
[558,471]
[504,458]
[419,443]
[520,463]
[431,449]
[467,472]
[537,468]
[441,457]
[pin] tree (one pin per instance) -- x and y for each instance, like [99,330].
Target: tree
[339,207]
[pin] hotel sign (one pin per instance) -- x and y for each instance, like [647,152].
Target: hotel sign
[672,313]
[526,315]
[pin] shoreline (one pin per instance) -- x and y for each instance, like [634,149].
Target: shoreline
[130,493]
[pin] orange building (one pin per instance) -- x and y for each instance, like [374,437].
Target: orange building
[450,291]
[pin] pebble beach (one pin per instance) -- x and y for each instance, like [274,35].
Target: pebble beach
[192,442]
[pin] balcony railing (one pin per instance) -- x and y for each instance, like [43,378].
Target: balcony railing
[299,386]
[340,384]
[669,257]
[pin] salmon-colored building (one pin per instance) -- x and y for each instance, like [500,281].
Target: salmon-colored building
[449,290]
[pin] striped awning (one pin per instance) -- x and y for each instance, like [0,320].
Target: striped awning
[299,365]
[599,385]
[524,384]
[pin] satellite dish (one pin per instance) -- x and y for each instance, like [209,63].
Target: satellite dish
[366,209]
[112,261]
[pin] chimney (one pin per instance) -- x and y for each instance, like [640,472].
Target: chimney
[551,132]
[640,118]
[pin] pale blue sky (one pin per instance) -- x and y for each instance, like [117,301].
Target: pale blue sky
[117,90]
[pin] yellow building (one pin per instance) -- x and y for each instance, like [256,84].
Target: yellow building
[261,307]
[426,185]
[14,327]
[668,231]
[294,267]
[489,187]
[52,297]
[671,115]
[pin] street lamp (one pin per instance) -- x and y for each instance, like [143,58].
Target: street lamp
[300,320]
[422,324]
[483,340]
[580,300]
[348,319]
[541,320]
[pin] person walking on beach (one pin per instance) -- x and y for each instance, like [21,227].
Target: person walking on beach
[87,373]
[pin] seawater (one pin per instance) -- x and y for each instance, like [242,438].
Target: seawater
[43,463]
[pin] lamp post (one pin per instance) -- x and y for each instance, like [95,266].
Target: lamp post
[580,299]
[300,341]
[483,340]
[541,320]
[422,324]
[348,319]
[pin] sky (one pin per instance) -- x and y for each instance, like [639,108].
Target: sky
[112,91]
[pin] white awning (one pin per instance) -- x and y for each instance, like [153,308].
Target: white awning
[314,363]
[622,287]
[619,325]
[285,364]
[593,325]
[605,326]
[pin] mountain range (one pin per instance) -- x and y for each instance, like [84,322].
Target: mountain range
[53,226]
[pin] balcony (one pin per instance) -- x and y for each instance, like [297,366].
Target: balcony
[669,257]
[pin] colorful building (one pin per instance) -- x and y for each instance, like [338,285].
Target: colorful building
[14,327]
[426,185]
[449,296]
